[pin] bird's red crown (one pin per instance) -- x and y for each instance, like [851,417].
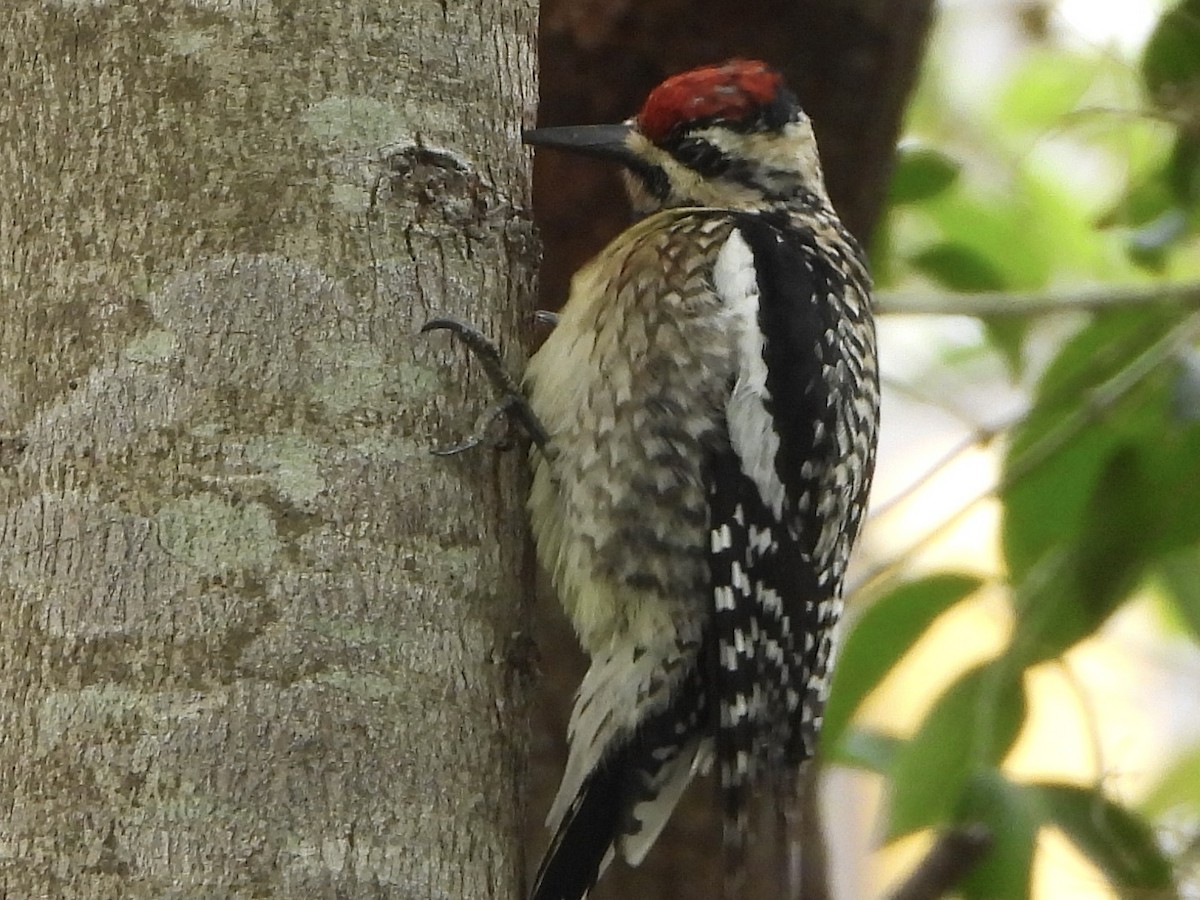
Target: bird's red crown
[732,91]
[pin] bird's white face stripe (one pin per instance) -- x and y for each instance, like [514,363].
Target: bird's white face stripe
[792,151]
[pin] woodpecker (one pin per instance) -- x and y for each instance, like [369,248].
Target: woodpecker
[710,401]
[706,410]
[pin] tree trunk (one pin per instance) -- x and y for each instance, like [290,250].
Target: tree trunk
[254,640]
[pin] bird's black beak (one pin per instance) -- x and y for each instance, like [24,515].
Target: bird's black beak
[601,141]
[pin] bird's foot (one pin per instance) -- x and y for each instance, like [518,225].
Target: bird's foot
[512,407]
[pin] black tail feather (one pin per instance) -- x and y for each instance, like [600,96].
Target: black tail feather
[586,836]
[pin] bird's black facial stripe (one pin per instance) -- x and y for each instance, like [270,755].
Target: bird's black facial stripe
[652,177]
[710,161]
[773,184]
[701,156]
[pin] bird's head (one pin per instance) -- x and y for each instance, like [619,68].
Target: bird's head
[730,136]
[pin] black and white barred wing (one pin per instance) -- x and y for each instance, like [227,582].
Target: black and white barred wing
[786,498]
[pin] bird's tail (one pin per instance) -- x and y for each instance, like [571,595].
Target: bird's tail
[623,803]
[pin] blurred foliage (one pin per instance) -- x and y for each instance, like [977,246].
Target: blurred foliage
[1086,168]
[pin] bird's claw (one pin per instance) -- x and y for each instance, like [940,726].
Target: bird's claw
[484,436]
[512,403]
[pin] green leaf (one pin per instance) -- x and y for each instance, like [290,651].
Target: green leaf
[880,638]
[1148,244]
[921,173]
[1148,196]
[1178,787]
[959,268]
[1180,575]
[1143,505]
[1007,335]
[1017,245]
[1183,169]
[1111,549]
[1171,60]
[970,729]
[1006,810]
[1048,85]
[1077,590]
[1058,452]
[1170,458]
[1185,386]
[1112,487]
[1156,203]
[1117,841]
[863,748]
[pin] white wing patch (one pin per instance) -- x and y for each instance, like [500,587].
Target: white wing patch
[751,431]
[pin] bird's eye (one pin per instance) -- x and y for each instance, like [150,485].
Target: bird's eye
[701,156]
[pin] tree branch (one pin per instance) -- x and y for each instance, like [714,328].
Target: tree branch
[1088,299]
[953,855]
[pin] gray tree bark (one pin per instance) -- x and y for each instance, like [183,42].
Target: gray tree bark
[254,640]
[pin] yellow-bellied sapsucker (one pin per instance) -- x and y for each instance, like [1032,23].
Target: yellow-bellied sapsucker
[708,403]
[711,402]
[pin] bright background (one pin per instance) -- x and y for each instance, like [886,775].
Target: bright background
[1054,152]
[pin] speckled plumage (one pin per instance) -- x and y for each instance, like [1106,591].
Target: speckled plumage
[710,396]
